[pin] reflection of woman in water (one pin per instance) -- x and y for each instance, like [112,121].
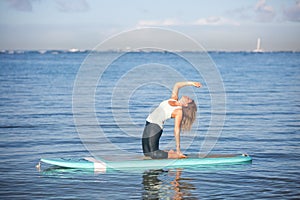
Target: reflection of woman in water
[162,184]
[184,113]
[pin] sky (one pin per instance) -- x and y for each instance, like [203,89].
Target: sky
[227,25]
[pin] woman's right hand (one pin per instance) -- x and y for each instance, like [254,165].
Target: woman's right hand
[197,84]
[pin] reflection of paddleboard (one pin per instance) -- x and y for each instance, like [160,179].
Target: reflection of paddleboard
[102,166]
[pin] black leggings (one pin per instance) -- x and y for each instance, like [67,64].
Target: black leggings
[150,141]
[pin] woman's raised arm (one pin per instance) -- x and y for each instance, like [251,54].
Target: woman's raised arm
[179,85]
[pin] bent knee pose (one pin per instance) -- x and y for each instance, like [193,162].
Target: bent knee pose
[182,110]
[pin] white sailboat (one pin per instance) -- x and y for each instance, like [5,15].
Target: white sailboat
[258,48]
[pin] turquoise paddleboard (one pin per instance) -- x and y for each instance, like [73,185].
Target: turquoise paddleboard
[102,166]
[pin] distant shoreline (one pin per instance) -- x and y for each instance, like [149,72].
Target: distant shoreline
[128,51]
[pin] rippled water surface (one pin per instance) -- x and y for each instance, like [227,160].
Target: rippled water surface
[262,119]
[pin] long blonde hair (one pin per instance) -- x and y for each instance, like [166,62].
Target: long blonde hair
[188,116]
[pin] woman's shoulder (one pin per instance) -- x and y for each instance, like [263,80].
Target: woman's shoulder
[173,102]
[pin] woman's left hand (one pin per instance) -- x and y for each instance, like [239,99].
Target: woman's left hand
[176,154]
[181,155]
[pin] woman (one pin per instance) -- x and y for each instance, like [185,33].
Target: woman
[184,113]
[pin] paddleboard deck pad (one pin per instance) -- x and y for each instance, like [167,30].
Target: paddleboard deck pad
[102,166]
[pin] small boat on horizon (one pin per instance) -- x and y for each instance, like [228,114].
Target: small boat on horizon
[258,48]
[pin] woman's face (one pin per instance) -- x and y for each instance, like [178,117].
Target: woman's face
[185,100]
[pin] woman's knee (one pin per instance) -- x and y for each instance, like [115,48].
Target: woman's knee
[159,154]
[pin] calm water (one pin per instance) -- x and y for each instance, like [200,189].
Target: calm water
[262,119]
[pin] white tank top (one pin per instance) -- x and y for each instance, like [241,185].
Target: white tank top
[162,113]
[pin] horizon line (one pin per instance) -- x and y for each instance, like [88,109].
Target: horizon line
[54,51]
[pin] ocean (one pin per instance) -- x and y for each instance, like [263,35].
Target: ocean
[251,106]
